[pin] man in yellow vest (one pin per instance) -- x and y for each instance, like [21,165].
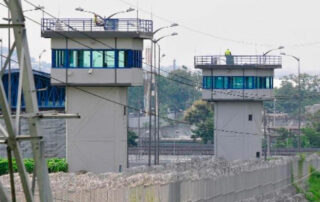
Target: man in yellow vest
[227,53]
[229,57]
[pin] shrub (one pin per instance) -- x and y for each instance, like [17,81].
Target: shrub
[57,165]
[3,166]
[54,165]
[29,164]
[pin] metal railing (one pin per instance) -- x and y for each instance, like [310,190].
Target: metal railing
[237,60]
[88,25]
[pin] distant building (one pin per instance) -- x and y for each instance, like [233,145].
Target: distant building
[311,109]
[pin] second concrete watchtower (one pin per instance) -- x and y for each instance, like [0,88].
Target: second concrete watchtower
[238,85]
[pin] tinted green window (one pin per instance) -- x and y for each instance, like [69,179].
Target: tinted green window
[79,58]
[218,82]
[122,59]
[226,82]
[97,58]
[258,84]
[60,58]
[263,82]
[73,55]
[237,82]
[109,58]
[249,82]
[268,82]
[207,82]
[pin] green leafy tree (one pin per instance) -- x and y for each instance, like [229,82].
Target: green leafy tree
[287,139]
[314,120]
[288,94]
[312,131]
[132,137]
[135,98]
[200,115]
[179,89]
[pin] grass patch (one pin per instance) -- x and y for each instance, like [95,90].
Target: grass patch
[313,192]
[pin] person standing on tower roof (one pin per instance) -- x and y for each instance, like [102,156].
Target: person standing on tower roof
[229,57]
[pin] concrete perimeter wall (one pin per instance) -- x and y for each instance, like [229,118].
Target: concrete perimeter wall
[227,188]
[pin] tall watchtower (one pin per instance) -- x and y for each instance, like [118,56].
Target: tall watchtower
[238,85]
[97,64]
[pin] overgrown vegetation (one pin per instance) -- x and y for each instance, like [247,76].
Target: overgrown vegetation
[54,165]
[313,190]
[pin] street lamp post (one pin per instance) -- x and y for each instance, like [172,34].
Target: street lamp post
[40,55]
[267,52]
[299,99]
[157,104]
[110,16]
[150,86]
[36,8]
[267,135]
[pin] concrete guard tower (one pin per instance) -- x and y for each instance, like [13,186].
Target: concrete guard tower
[97,64]
[238,85]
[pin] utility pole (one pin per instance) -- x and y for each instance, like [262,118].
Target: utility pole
[265,133]
[153,65]
[139,133]
[156,105]
[158,108]
[299,118]
[16,21]
[150,108]
[299,99]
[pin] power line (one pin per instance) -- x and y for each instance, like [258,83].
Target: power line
[151,66]
[196,30]
[166,118]
[145,112]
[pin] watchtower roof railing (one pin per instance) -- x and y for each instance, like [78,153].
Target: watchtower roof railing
[89,25]
[238,60]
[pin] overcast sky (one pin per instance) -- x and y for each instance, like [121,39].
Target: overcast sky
[207,27]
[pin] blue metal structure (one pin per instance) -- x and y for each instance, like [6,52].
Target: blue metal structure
[49,97]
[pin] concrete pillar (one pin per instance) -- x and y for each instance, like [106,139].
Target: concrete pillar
[97,142]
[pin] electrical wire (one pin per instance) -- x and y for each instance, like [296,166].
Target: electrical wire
[241,95]
[196,30]
[130,107]
[143,111]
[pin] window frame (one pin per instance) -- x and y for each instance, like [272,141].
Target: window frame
[132,58]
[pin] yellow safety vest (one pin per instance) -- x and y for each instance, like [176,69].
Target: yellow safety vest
[228,52]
